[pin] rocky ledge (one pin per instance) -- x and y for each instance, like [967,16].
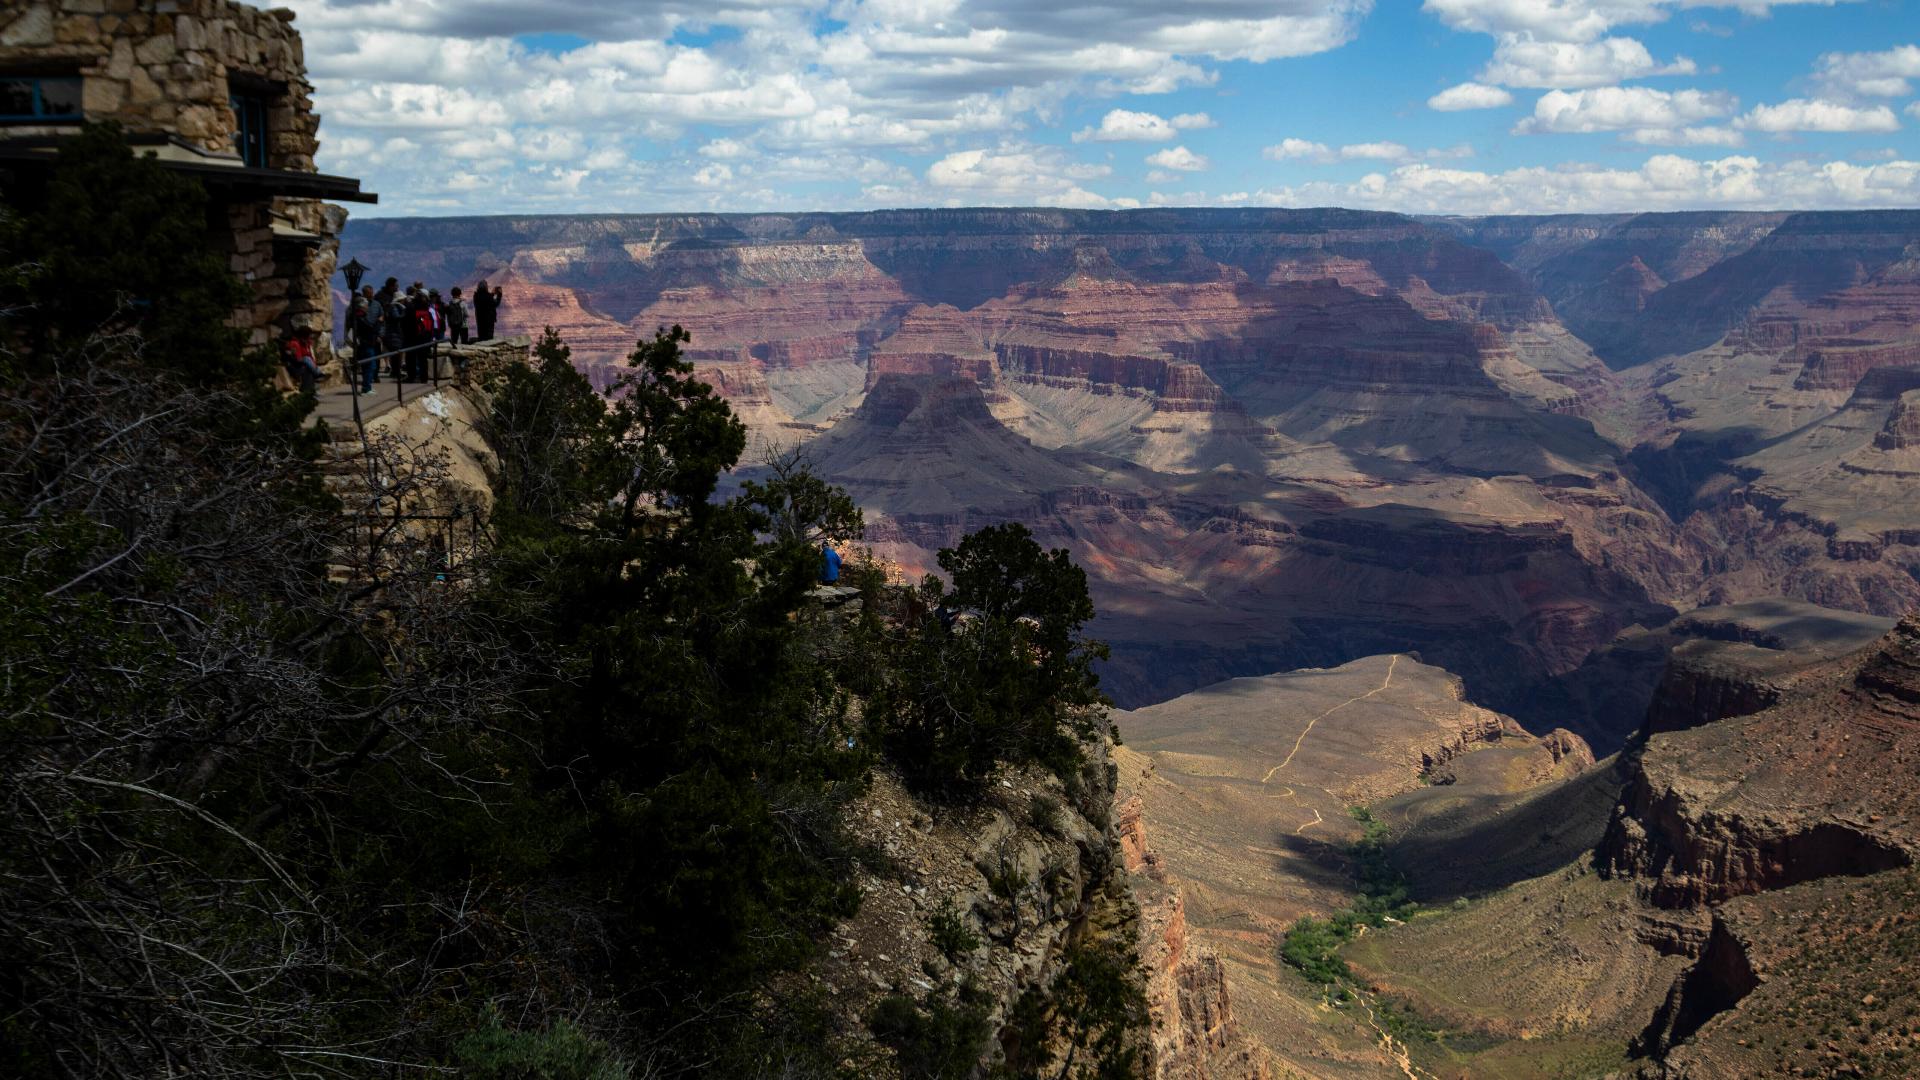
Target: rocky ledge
[1817,785]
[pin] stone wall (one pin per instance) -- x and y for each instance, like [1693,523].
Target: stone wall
[167,67]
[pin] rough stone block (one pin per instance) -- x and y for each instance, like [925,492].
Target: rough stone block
[34,26]
[77,30]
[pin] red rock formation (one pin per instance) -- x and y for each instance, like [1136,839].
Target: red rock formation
[1194,1034]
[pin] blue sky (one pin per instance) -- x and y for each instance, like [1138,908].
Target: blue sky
[1447,106]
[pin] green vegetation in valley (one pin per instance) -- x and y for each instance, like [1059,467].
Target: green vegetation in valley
[1312,945]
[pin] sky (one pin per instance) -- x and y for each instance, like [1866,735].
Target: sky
[1446,106]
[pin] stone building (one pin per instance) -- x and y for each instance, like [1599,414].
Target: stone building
[214,89]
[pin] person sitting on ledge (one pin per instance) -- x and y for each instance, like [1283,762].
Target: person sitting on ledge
[297,354]
[829,565]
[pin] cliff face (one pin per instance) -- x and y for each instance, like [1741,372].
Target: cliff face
[1195,1034]
[1799,793]
[1070,888]
[1764,800]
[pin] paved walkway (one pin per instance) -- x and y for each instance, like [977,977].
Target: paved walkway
[335,403]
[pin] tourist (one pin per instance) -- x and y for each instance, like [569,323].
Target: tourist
[298,356]
[417,337]
[486,308]
[829,565]
[456,317]
[363,326]
[390,317]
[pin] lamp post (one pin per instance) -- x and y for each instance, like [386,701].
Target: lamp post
[354,272]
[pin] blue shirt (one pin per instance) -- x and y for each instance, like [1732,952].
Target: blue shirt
[830,569]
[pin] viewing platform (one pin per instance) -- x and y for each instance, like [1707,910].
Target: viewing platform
[452,366]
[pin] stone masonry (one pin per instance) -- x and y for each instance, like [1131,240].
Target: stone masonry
[167,67]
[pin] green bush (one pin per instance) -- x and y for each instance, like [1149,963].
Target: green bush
[1043,813]
[1010,682]
[1312,945]
[940,1041]
[949,931]
[561,1052]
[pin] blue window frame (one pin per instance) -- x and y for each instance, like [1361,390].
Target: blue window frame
[250,127]
[39,97]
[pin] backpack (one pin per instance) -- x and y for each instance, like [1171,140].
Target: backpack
[423,321]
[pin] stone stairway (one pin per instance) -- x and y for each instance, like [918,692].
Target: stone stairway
[343,472]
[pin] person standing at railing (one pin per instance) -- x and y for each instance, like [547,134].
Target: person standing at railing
[456,317]
[363,327]
[418,335]
[486,308]
[393,328]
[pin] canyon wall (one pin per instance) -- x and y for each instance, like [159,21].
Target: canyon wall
[1279,438]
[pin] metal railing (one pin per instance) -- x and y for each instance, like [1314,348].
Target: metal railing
[355,378]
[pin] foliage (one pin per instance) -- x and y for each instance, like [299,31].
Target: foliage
[948,930]
[940,1040]
[1312,945]
[681,704]
[1043,813]
[1089,1018]
[800,507]
[259,820]
[214,763]
[996,672]
[561,1052]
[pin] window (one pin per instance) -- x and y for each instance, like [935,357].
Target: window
[250,127]
[38,97]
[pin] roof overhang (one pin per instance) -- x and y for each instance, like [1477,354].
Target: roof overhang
[223,175]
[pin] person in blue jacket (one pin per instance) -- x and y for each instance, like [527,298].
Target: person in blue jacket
[829,565]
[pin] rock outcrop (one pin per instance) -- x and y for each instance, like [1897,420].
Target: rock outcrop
[1030,871]
[1195,1034]
[1817,785]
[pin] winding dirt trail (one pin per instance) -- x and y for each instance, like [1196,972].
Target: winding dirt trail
[1392,662]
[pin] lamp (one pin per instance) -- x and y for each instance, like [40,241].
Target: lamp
[354,272]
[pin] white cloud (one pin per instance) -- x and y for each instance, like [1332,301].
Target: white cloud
[1801,114]
[1520,60]
[1663,182]
[905,76]
[1377,151]
[1469,95]
[1869,74]
[1578,20]
[1913,110]
[1039,176]
[1178,158]
[1623,108]
[1298,148]
[1126,125]
[1322,154]
[1686,136]
[726,150]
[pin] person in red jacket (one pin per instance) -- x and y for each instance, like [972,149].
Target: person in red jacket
[298,355]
